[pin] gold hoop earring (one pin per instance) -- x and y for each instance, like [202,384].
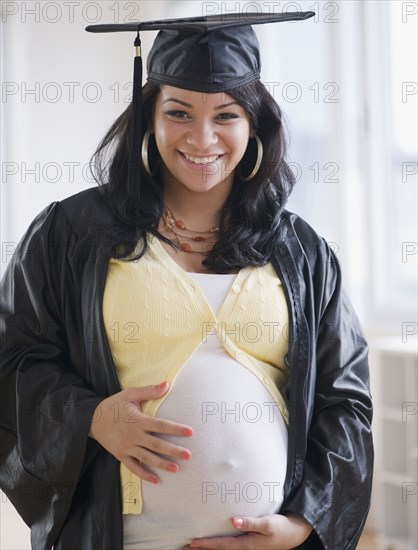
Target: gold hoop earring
[144,152]
[258,161]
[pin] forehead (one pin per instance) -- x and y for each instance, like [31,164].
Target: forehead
[195,99]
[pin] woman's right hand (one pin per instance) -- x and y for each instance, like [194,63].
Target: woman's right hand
[131,436]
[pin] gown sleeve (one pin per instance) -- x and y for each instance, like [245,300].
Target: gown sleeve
[334,494]
[46,405]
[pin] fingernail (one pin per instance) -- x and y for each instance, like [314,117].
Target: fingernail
[162,385]
[153,480]
[173,467]
[238,522]
[187,431]
[186,455]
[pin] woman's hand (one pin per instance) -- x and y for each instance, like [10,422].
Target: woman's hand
[273,532]
[131,436]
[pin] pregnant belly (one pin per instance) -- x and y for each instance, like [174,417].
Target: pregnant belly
[238,465]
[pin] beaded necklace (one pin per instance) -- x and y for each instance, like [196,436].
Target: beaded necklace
[205,237]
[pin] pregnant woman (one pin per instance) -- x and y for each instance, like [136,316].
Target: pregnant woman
[180,367]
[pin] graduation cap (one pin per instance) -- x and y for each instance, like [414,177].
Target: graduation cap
[215,53]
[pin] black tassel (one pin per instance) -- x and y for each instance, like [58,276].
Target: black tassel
[134,160]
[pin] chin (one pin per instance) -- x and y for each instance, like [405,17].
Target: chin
[204,187]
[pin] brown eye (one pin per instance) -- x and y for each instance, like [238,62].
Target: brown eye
[178,114]
[227,116]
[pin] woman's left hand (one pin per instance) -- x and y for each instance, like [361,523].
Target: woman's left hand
[273,532]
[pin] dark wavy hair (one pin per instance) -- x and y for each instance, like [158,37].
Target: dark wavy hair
[251,216]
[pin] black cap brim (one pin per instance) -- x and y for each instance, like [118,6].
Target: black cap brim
[204,23]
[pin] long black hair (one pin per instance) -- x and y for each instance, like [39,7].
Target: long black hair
[251,216]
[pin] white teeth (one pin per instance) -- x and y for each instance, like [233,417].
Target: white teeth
[201,160]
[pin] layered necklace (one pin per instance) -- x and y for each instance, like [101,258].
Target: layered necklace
[185,238]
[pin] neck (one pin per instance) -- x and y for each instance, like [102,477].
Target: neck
[197,210]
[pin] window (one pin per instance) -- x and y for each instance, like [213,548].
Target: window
[391,68]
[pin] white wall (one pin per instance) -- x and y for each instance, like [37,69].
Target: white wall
[303,65]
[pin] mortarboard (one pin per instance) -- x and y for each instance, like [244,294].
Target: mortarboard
[214,53]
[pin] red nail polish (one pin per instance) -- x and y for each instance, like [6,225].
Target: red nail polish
[186,455]
[238,522]
[187,431]
[173,467]
[154,480]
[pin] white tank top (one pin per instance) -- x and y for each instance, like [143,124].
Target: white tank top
[239,448]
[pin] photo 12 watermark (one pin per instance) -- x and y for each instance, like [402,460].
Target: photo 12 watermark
[409,409]
[409,12]
[325,12]
[409,330]
[236,412]
[409,489]
[61,12]
[65,92]
[409,251]
[46,172]
[250,491]
[409,169]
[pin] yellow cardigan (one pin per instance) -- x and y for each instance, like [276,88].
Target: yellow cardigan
[156,316]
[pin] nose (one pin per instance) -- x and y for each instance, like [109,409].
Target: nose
[202,135]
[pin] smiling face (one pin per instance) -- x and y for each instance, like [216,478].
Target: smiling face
[201,138]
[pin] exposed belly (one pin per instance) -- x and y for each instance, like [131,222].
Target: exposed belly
[238,465]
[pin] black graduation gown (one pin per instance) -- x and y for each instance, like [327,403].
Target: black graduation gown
[56,366]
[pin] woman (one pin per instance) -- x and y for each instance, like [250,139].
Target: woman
[135,317]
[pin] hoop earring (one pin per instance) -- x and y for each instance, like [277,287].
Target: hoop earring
[144,152]
[258,161]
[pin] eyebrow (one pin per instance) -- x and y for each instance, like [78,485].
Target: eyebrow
[222,106]
[178,101]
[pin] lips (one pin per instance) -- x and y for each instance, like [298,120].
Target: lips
[201,160]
